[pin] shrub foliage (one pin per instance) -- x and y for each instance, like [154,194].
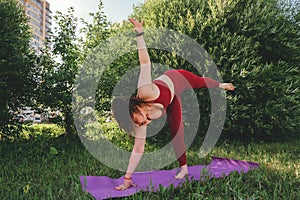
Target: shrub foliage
[255,45]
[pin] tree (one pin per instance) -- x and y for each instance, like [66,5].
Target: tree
[59,70]
[61,63]
[17,65]
[97,31]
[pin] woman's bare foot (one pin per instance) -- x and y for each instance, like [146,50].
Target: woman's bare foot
[183,172]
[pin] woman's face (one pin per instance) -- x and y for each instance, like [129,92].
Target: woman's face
[142,117]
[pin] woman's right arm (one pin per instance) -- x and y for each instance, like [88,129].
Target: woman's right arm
[138,149]
[135,157]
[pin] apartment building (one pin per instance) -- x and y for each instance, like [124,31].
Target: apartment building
[40,20]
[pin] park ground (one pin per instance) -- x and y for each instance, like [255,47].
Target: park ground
[47,166]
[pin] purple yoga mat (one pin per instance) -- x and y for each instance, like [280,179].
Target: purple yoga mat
[102,187]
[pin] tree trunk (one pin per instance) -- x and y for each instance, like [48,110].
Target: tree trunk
[69,124]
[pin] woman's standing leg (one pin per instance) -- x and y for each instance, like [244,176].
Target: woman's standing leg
[174,118]
[183,80]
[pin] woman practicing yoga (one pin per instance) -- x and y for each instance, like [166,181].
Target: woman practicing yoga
[154,99]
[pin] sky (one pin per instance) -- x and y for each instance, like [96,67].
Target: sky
[115,10]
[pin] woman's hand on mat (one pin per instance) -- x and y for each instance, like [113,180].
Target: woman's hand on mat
[126,184]
[138,26]
[226,86]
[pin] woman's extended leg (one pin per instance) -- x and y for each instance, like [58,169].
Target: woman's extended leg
[184,80]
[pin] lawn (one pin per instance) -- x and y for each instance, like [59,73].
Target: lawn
[48,167]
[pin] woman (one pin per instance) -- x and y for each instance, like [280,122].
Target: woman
[154,99]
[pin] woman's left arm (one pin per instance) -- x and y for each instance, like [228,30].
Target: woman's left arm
[145,85]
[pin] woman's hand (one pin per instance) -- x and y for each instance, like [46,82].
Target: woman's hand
[126,184]
[138,26]
[226,86]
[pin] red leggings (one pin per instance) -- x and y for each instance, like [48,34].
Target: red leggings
[182,80]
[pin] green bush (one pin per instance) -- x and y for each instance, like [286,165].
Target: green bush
[255,45]
[32,131]
[42,130]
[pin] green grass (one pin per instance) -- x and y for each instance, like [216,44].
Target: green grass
[49,168]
